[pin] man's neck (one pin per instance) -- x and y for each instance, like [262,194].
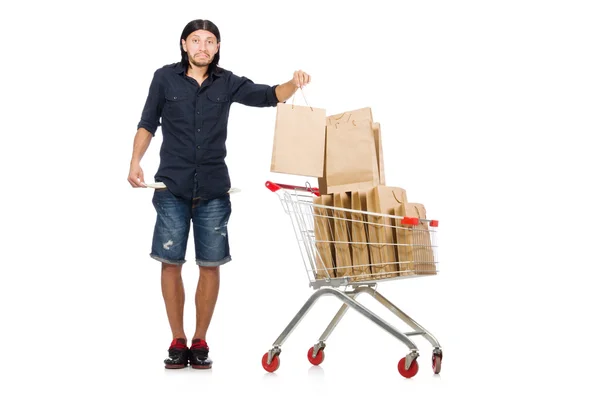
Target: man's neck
[198,73]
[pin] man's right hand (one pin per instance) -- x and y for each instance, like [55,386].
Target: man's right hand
[136,176]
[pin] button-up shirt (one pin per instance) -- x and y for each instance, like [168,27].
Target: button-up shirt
[193,119]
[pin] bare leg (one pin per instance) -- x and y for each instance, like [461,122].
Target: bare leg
[206,299]
[174,296]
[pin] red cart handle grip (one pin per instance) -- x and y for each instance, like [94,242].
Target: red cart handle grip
[276,186]
[272,186]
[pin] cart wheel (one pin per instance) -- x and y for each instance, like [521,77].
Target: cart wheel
[318,359]
[436,363]
[274,363]
[412,370]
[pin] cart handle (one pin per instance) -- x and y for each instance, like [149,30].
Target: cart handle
[276,186]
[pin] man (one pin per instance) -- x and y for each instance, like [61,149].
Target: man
[191,101]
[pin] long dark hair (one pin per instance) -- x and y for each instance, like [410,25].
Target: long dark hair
[200,24]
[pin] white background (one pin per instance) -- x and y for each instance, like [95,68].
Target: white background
[488,109]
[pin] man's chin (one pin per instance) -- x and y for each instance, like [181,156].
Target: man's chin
[200,64]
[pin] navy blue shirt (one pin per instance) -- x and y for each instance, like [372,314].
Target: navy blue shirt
[193,119]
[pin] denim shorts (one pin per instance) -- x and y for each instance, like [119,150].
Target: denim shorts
[171,231]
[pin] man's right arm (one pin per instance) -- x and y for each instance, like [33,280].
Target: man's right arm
[146,128]
[142,140]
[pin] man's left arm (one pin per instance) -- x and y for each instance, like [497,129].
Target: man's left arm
[248,93]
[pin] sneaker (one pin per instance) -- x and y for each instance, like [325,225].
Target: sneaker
[178,354]
[199,355]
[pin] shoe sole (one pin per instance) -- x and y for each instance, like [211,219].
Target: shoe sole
[175,366]
[201,366]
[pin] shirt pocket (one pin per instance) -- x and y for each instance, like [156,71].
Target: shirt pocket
[177,105]
[217,97]
[215,104]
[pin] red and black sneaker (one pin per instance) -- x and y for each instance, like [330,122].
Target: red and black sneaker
[199,355]
[178,354]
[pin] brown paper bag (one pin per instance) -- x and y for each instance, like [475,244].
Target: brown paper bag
[383,200]
[422,249]
[343,256]
[361,268]
[323,224]
[362,115]
[404,239]
[351,158]
[299,141]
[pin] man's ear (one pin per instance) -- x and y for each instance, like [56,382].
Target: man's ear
[183,45]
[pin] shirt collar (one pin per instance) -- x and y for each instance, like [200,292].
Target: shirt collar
[180,69]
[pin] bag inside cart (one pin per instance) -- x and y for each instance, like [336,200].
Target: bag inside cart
[323,227]
[424,261]
[342,232]
[361,268]
[383,200]
[350,158]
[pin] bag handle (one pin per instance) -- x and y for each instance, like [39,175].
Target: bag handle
[396,198]
[342,115]
[305,101]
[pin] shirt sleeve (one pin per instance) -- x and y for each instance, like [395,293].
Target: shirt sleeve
[155,101]
[246,92]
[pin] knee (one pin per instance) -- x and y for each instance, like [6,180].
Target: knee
[210,271]
[171,269]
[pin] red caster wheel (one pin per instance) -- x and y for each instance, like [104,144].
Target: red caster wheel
[318,359]
[411,371]
[436,362]
[274,363]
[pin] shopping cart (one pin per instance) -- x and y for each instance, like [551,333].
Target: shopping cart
[346,253]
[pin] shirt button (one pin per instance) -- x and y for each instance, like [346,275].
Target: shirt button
[198,130]
[198,147]
[174,97]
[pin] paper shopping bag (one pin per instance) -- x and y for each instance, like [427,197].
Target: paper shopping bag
[383,200]
[404,239]
[361,268]
[361,115]
[324,226]
[342,232]
[351,158]
[424,260]
[299,141]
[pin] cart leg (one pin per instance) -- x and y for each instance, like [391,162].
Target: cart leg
[336,319]
[419,330]
[276,349]
[334,322]
[320,345]
[351,302]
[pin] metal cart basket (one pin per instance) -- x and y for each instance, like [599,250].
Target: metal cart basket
[346,252]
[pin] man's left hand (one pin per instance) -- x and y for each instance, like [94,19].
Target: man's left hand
[301,78]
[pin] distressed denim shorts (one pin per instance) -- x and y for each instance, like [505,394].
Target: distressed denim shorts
[171,231]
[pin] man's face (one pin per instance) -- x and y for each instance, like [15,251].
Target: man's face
[201,47]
